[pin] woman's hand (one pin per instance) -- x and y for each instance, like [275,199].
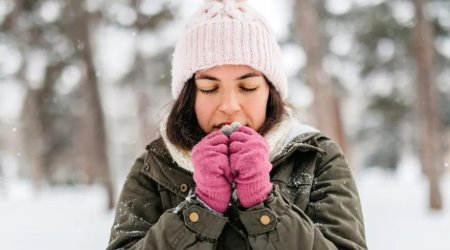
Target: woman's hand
[212,173]
[250,166]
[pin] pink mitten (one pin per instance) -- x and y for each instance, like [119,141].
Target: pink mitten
[212,173]
[249,162]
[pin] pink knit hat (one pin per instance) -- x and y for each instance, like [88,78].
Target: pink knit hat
[227,32]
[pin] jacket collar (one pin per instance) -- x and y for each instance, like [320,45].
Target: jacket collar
[282,139]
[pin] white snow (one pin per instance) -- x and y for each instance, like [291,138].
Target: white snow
[394,204]
[62,218]
[385,49]
[12,94]
[442,81]
[403,12]
[294,58]
[364,3]
[69,79]
[37,60]
[150,7]
[11,59]
[338,7]
[380,83]
[123,13]
[341,43]
[276,14]
[50,11]
[442,44]
[395,213]
[300,94]
[115,52]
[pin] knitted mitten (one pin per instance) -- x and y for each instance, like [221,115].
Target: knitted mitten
[250,166]
[212,173]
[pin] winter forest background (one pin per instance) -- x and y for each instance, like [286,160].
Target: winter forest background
[84,85]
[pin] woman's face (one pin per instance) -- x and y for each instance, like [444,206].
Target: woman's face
[229,93]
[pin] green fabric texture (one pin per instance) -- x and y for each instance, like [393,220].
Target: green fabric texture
[314,205]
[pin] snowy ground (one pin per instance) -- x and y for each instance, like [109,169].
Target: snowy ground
[63,218]
[396,213]
[74,218]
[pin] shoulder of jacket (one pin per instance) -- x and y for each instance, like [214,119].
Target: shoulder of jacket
[158,157]
[156,145]
[332,152]
[157,148]
[319,140]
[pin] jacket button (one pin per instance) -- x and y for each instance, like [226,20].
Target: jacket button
[184,188]
[265,220]
[194,217]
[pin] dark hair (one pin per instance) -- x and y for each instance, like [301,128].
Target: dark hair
[183,129]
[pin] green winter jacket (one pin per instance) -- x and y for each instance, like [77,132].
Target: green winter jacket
[314,205]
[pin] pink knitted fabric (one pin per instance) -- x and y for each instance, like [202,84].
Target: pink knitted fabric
[227,32]
[212,174]
[250,166]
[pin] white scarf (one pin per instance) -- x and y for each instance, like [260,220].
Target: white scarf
[277,138]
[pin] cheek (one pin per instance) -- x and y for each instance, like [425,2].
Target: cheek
[256,110]
[203,112]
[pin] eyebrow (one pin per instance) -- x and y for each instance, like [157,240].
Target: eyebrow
[212,78]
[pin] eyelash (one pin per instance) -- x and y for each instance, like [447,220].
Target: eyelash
[208,91]
[249,90]
[215,89]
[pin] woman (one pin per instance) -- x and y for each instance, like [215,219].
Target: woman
[232,169]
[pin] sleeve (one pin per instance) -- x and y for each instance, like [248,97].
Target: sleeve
[141,223]
[333,219]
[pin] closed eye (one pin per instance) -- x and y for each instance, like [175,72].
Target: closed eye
[248,89]
[208,91]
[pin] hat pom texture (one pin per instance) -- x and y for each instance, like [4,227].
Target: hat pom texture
[227,32]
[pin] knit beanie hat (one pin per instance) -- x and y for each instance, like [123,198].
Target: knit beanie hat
[227,32]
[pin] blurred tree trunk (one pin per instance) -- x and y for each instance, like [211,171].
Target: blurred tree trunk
[38,129]
[11,18]
[32,129]
[46,97]
[325,108]
[145,109]
[33,132]
[429,137]
[141,82]
[93,142]
[40,140]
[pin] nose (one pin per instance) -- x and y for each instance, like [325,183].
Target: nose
[230,103]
